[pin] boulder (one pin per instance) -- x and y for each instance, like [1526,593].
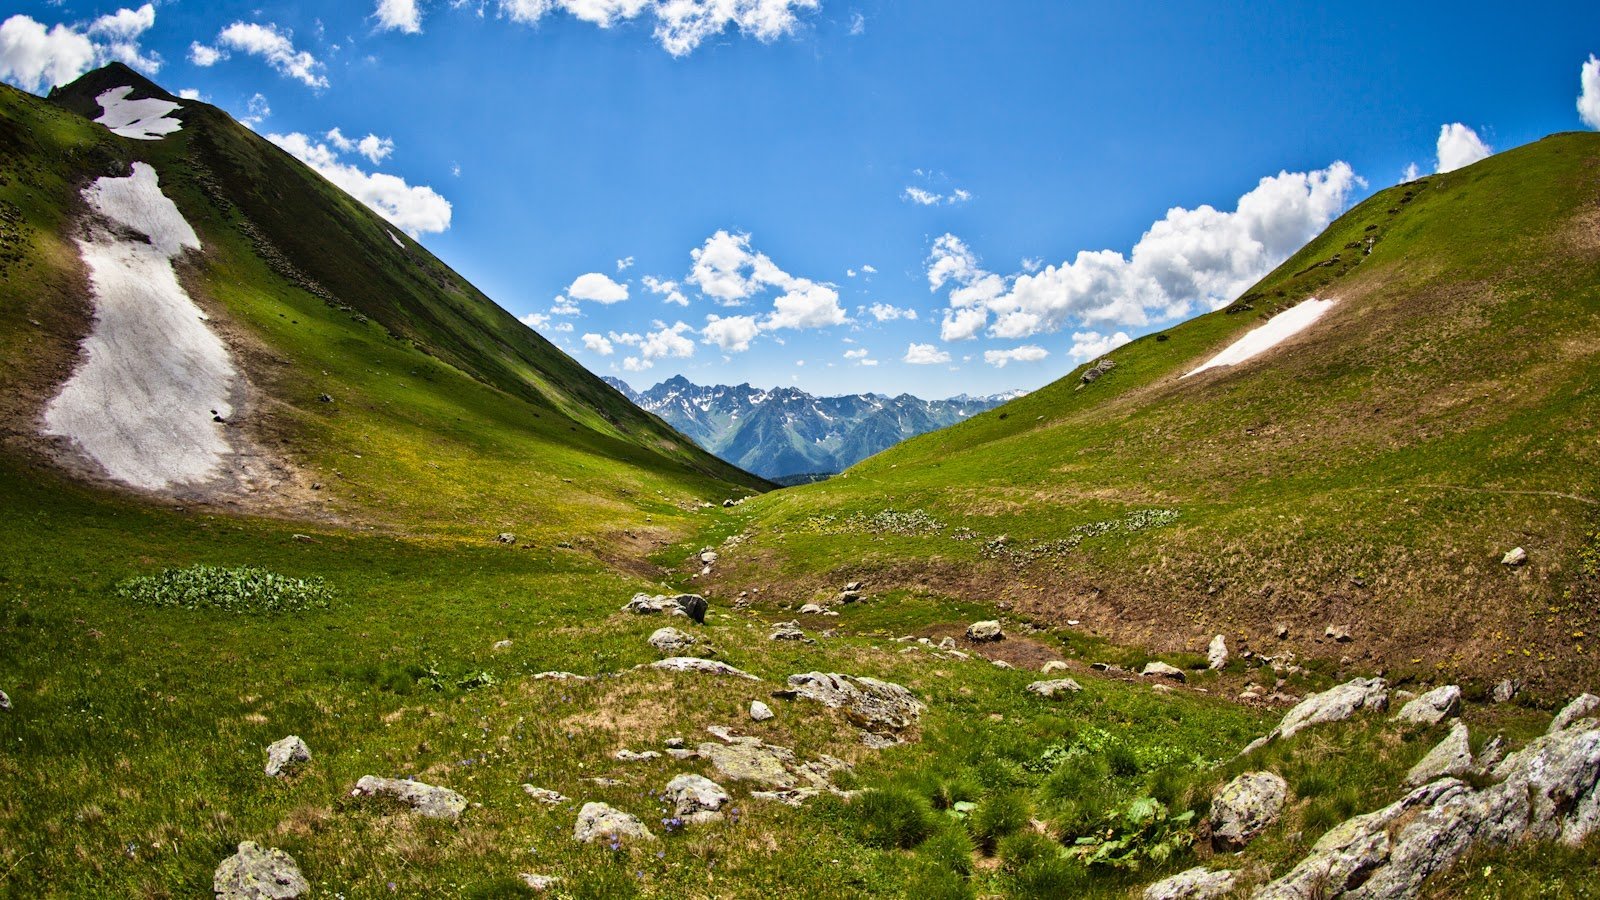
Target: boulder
[259,873]
[1332,705]
[1506,690]
[557,676]
[540,883]
[787,631]
[946,643]
[812,609]
[1516,556]
[872,704]
[672,641]
[505,537]
[1098,369]
[1245,807]
[1199,883]
[5,702]
[1337,633]
[1433,707]
[696,664]
[691,605]
[1451,757]
[1049,689]
[1054,665]
[761,763]
[601,821]
[1160,669]
[425,799]
[856,586]
[759,711]
[696,799]
[544,795]
[709,557]
[286,754]
[626,755]
[1583,706]
[848,596]
[1217,653]
[983,632]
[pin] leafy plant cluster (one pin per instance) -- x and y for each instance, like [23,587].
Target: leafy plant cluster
[245,589]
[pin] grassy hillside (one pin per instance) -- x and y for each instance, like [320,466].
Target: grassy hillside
[1369,474]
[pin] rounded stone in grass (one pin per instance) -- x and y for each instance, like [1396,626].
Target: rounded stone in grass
[601,821]
[259,873]
[286,754]
[983,632]
[427,800]
[1245,807]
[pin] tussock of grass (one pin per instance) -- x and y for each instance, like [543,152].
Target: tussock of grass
[246,589]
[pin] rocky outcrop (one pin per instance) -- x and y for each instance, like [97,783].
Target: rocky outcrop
[1049,689]
[1333,705]
[1217,653]
[745,758]
[691,605]
[601,821]
[259,873]
[983,632]
[544,795]
[695,798]
[425,799]
[872,704]
[286,754]
[705,666]
[1451,757]
[1245,807]
[1584,706]
[672,641]
[1199,883]
[1433,707]
[1162,670]
[788,631]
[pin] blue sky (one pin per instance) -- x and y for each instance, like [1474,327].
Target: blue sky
[787,143]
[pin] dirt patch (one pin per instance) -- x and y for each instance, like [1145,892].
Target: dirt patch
[1021,651]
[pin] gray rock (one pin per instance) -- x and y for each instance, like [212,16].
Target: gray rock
[1245,807]
[1492,753]
[709,557]
[812,609]
[1337,633]
[557,676]
[696,664]
[1506,690]
[626,755]
[761,763]
[544,795]
[1217,653]
[872,704]
[788,631]
[259,873]
[505,537]
[760,711]
[856,586]
[1333,705]
[1199,883]
[691,605]
[601,821]
[672,642]
[1516,556]
[1433,707]
[540,883]
[1049,689]
[1094,372]
[1160,669]
[5,702]
[1583,706]
[425,799]
[286,754]
[1054,665]
[985,631]
[1451,757]
[696,799]
[947,643]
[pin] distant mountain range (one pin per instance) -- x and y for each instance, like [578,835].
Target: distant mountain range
[789,436]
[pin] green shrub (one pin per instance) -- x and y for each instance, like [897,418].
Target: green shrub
[1020,850]
[893,818]
[950,850]
[932,883]
[1049,878]
[241,590]
[996,817]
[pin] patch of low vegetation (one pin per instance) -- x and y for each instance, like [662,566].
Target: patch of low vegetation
[245,589]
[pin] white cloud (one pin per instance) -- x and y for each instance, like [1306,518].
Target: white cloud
[399,15]
[624,263]
[861,353]
[668,291]
[1459,146]
[1087,345]
[1203,255]
[667,341]
[925,355]
[256,110]
[375,148]
[598,344]
[188,94]
[1589,93]
[680,25]
[858,24]
[1025,353]
[598,287]
[1032,264]
[806,304]
[536,321]
[728,270]
[205,56]
[923,197]
[733,333]
[635,364]
[272,44]
[869,270]
[561,306]
[1412,173]
[34,57]
[415,209]
[885,312]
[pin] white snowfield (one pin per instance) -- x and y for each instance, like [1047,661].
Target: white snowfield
[151,374]
[144,120]
[1278,329]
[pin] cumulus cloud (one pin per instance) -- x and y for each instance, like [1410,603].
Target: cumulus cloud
[885,312]
[925,355]
[624,263]
[668,291]
[1087,345]
[1201,256]
[536,321]
[597,287]
[372,147]
[34,57]
[679,25]
[598,344]
[727,269]
[665,341]
[1589,93]
[733,333]
[1025,353]
[1460,146]
[923,197]
[414,209]
[399,15]
[273,44]
[256,110]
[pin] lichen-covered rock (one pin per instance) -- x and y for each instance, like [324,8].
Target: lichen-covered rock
[760,712]
[601,821]
[259,873]
[626,755]
[1199,883]
[1583,706]
[1049,689]
[695,798]
[540,883]
[426,799]
[705,666]
[1054,665]
[788,631]
[1514,557]
[1217,653]
[1333,705]
[691,605]
[5,702]
[1433,707]
[1451,757]
[761,763]
[544,795]
[672,641]
[1160,669]
[1245,807]
[285,754]
[983,632]
[872,704]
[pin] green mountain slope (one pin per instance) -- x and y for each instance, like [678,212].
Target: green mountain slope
[443,412]
[1367,475]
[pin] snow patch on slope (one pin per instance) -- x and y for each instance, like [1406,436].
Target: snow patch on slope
[143,120]
[152,375]
[1278,329]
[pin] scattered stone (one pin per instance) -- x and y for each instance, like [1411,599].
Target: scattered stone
[848,597]
[709,557]
[1054,665]
[1506,690]
[696,664]
[1049,689]
[557,676]
[1160,669]
[1199,883]
[1001,664]
[791,797]
[1282,632]
[1452,757]
[856,586]
[601,821]
[760,711]
[540,883]
[874,741]
[544,795]
[812,609]
[872,704]
[605,782]
[728,504]
[681,753]
[948,643]
[1094,372]
[5,702]
[1514,557]
[286,754]
[626,755]
[675,743]
[505,537]
[1433,707]
[1582,707]
[501,645]
[983,632]
[788,631]
[259,873]
[1337,633]
[1245,807]
[672,641]
[696,799]
[1162,688]
[692,605]
[1217,653]
[1333,705]
[427,800]
[752,760]
[324,398]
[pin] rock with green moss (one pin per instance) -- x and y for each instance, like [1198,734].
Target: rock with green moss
[259,873]
[1245,807]
[426,799]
